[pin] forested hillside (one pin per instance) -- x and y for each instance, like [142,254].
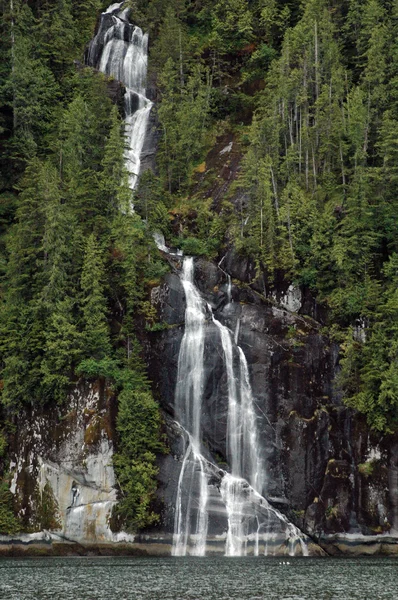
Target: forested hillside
[307,91]
[75,263]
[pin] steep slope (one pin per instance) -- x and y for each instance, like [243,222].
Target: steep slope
[275,163]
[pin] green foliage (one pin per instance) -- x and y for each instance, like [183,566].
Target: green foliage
[94,306]
[183,116]
[47,510]
[138,425]
[232,25]
[151,202]
[62,350]
[258,63]
[366,469]
[33,90]
[108,368]
[41,329]
[172,42]
[369,374]
[9,525]
[3,444]
[38,48]
[113,179]
[193,246]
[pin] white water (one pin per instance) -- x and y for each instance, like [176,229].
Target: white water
[121,50]
[242,435]
[194,470]
[249,516]
[188,403]
[189,389]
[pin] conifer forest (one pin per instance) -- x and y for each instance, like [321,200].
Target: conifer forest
[273,161]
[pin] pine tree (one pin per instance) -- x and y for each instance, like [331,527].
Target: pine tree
[183,115]
[113,182]
[172,42]
[95,335]
[374,365]
[232,25]
[62,351]
[32,90]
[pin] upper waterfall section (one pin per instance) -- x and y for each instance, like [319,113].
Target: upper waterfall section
[120,50]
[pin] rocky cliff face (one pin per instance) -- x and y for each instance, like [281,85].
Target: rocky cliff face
[61,468]
[325,470]
[331,477]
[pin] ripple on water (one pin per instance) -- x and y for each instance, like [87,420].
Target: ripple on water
[102,578]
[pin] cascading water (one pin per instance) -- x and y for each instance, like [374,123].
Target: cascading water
[188,399]
[242,446]
[189,389]
[251,521]
[120,50]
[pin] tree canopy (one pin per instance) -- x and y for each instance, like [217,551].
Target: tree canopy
[308,92]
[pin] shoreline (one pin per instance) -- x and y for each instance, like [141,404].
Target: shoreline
[46,544]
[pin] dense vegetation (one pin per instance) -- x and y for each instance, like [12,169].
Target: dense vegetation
[75,263]
[308,90]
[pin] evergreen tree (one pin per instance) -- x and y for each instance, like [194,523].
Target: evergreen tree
[138,425]
[183,115]
[62,351]
[113,180]
[95,337]
[232,25]
[370,370]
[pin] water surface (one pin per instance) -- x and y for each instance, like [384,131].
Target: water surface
[142,578]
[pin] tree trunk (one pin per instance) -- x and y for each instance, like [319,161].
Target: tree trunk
[275,191]
[14,109]
[181,62]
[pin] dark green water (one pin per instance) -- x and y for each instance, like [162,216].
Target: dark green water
[198,578]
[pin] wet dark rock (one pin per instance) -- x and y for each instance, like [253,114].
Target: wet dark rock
[326,471]
[148,152]
[116,90]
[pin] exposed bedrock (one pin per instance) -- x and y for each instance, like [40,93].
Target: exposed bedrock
[325,470]
[61,467]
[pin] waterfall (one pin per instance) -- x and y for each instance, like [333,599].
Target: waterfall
[188,402]
[189,389]
[251,521]
[252,525]
[120,50]
[242,435]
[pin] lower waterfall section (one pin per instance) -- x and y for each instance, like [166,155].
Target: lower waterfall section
[254,526]
[191,531]
[213,505]
[242,435]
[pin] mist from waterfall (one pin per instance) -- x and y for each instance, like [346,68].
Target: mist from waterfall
[250,519]
[120,50]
